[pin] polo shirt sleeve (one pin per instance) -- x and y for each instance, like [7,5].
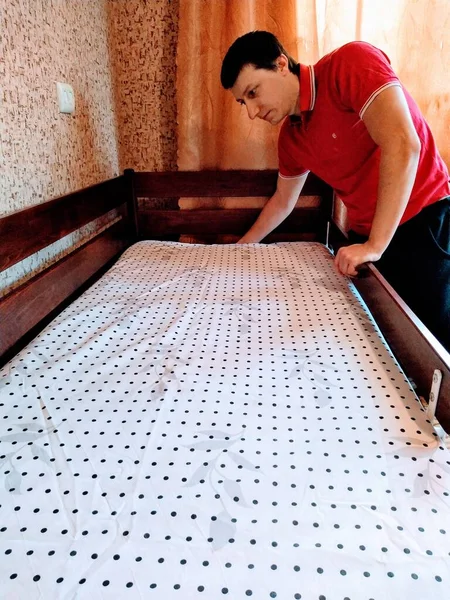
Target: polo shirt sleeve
[288,166]
[361,72]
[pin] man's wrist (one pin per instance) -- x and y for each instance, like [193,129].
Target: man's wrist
[246,239]
[375,247]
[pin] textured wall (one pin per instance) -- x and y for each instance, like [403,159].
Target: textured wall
[143,40]
[45,153]
[119,56]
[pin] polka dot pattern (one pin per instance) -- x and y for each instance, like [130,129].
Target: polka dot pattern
[219,421]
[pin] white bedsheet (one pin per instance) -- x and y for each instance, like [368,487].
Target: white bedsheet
[218,421]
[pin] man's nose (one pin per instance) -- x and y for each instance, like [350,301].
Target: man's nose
[252,111]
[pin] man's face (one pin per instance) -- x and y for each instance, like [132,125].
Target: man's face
[265,93]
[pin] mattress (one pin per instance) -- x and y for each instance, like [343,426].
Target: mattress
[219,421]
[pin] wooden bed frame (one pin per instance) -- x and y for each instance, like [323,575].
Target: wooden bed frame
[27,309]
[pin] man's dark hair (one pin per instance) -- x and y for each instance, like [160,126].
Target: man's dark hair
[257,48]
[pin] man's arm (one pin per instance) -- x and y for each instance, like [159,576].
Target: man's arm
[277,208]
[390,125]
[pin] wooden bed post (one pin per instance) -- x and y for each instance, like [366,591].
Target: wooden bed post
[132,204]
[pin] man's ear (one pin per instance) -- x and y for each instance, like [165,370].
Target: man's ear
[282,63]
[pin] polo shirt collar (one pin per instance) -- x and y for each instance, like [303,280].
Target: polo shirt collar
[307,88]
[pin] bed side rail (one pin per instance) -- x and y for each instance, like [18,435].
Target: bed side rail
[27,231]
[30,306]
[422,357]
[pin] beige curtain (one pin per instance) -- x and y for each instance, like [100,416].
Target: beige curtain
[214,132]
[208,117]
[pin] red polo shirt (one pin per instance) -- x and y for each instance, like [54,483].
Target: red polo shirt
[332,141]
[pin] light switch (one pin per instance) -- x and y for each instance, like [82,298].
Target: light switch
[66,98]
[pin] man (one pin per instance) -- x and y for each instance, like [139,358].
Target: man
[350,121]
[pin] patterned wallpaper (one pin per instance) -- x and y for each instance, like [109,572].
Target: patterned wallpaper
[143,37]
[45,153]
[119,56]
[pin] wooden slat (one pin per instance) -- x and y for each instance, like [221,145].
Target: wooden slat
[24,308]
[25,232]
[227,221]
[414,346]
[201,184]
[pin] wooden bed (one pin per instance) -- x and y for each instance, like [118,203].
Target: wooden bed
[27,309]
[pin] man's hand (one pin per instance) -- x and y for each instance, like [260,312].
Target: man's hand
[349,258]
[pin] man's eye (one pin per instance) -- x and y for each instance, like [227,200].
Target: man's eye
[252,93]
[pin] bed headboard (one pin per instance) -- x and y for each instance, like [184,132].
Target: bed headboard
[304,223]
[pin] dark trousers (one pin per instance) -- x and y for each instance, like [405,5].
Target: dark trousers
[417,265]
